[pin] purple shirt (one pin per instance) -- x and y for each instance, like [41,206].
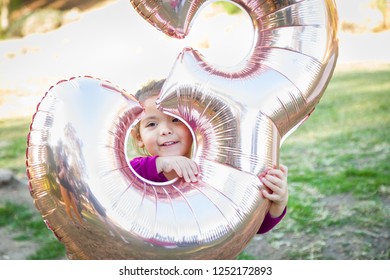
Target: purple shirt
[146,167]
[269,222]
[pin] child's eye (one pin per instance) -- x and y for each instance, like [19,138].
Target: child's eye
[151,124]
[175,120]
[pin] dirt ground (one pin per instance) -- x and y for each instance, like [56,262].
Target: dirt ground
[30,65]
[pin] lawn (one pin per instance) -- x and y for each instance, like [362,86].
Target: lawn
[339,174]
[339,178]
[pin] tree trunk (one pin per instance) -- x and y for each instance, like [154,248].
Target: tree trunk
[4,14]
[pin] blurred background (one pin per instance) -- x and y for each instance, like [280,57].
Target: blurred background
[340,192]
[46,41]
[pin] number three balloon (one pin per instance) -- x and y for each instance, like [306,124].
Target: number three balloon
[100,208]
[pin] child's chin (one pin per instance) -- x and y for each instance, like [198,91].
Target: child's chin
[168,154]
[170,151]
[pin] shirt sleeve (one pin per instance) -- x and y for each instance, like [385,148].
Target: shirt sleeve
[146,168]
[269,222]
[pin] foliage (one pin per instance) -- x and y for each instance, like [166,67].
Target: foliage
[229,8]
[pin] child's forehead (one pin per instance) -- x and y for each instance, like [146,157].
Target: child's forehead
[153,94]
[151,111]
[150,103]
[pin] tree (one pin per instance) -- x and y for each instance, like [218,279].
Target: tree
[384,7]
[4,14]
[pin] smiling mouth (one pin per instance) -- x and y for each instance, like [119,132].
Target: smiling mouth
[170,143]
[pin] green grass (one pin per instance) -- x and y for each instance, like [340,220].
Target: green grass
[26,224]
[345,143]
[29,226]
[339,176]
[343,151]
[13,134]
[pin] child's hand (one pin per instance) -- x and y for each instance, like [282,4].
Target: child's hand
[184,167]
[275,183]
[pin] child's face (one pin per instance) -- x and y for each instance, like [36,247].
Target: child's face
[161,134]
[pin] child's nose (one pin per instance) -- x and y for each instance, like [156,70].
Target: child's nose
[165,129]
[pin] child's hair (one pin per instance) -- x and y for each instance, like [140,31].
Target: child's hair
[150,89]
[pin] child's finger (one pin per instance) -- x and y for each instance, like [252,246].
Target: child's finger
[276,190]
[284,169]
[190,175]
[272,181]
[176,167]
[276,172]
[263,193]
[186,171]
[189,171]
[186,177]
[267,195]
[265,171]
[266,189]
[194,167]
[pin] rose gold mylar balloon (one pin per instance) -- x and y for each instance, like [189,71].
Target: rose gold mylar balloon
[248,110]
[91,199]
[77,165]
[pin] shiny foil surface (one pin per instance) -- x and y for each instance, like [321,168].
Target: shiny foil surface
[77,159]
